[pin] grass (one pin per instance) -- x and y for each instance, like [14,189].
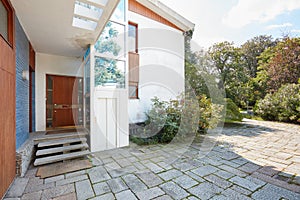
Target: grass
[254,117]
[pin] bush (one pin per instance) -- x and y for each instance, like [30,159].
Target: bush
[232,111]
[167,119]
[283,105]
[210,113]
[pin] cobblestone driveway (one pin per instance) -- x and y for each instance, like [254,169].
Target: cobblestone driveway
[254,160]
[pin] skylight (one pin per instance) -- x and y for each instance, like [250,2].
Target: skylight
[87,16]
[84,23]
[99,2]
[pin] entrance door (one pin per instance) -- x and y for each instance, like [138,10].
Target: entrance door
[64,101]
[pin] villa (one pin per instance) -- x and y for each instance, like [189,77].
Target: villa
[92,65]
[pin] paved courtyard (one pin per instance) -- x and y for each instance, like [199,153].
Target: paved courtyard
[254,160]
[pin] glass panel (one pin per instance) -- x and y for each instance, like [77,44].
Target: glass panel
[111,41]
[50,84]
[88,6]
[49,102]
[3,21]
[109,73]
[80,101]
[119,13]
[133,91]
[87,77]
[87,90]
[132,38]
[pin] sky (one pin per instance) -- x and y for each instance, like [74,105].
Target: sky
[238,20]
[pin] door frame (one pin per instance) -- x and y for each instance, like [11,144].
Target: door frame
[59,75]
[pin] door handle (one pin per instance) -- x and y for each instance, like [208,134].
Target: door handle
[55,111]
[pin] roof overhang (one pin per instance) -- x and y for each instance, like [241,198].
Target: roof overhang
[169,14]
[50,27]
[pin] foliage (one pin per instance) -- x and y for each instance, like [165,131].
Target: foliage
[210,113]
[106,70]
[279,65]
[199,74]
[252,49]
[225,58]
[107,40]
[179,117]
[247,73]
[228,62]
[232,111]
[283,105]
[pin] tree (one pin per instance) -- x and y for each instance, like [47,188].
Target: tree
[252,49]
[106,70]
[194,69]
[280,65]
[228,63]
[224,57]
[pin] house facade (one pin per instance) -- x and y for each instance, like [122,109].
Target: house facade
[89,64]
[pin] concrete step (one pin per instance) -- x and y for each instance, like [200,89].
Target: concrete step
[52,159]
[61,149]
[59,136]
[60,142]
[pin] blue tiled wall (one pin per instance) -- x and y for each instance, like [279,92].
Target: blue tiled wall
[22,86]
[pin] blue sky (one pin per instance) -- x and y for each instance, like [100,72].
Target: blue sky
[238,20]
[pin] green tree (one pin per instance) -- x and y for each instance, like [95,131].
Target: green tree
[106,70]
[228,63]
[107,40]
[223,56]
[252,49]
[279,65]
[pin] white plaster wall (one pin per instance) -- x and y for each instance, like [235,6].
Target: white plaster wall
[55,65]
[161,50]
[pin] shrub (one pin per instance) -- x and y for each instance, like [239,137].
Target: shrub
[210,113]
[283,105]
[167,119]
[232,111]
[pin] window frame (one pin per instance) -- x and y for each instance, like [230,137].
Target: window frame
[130,23]
[136,85]
[10,22]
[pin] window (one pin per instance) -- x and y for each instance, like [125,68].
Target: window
[6,23]
[133,75]
[133,37]
[133,60]
[133,90]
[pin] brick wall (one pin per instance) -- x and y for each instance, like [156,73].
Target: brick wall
[22,86]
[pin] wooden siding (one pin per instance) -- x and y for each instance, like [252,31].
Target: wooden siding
[134,62]
[31,57]
[7,115]
[138,8]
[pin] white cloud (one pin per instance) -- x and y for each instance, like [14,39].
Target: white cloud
[275,26]
[295,31]
[248,11]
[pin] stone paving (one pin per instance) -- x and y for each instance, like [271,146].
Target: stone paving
[252,160]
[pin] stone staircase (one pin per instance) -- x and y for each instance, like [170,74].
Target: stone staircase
[59,147]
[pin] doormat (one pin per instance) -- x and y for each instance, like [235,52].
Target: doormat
[64,131]
[62,168]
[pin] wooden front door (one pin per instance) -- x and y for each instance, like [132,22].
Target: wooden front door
[63,101]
